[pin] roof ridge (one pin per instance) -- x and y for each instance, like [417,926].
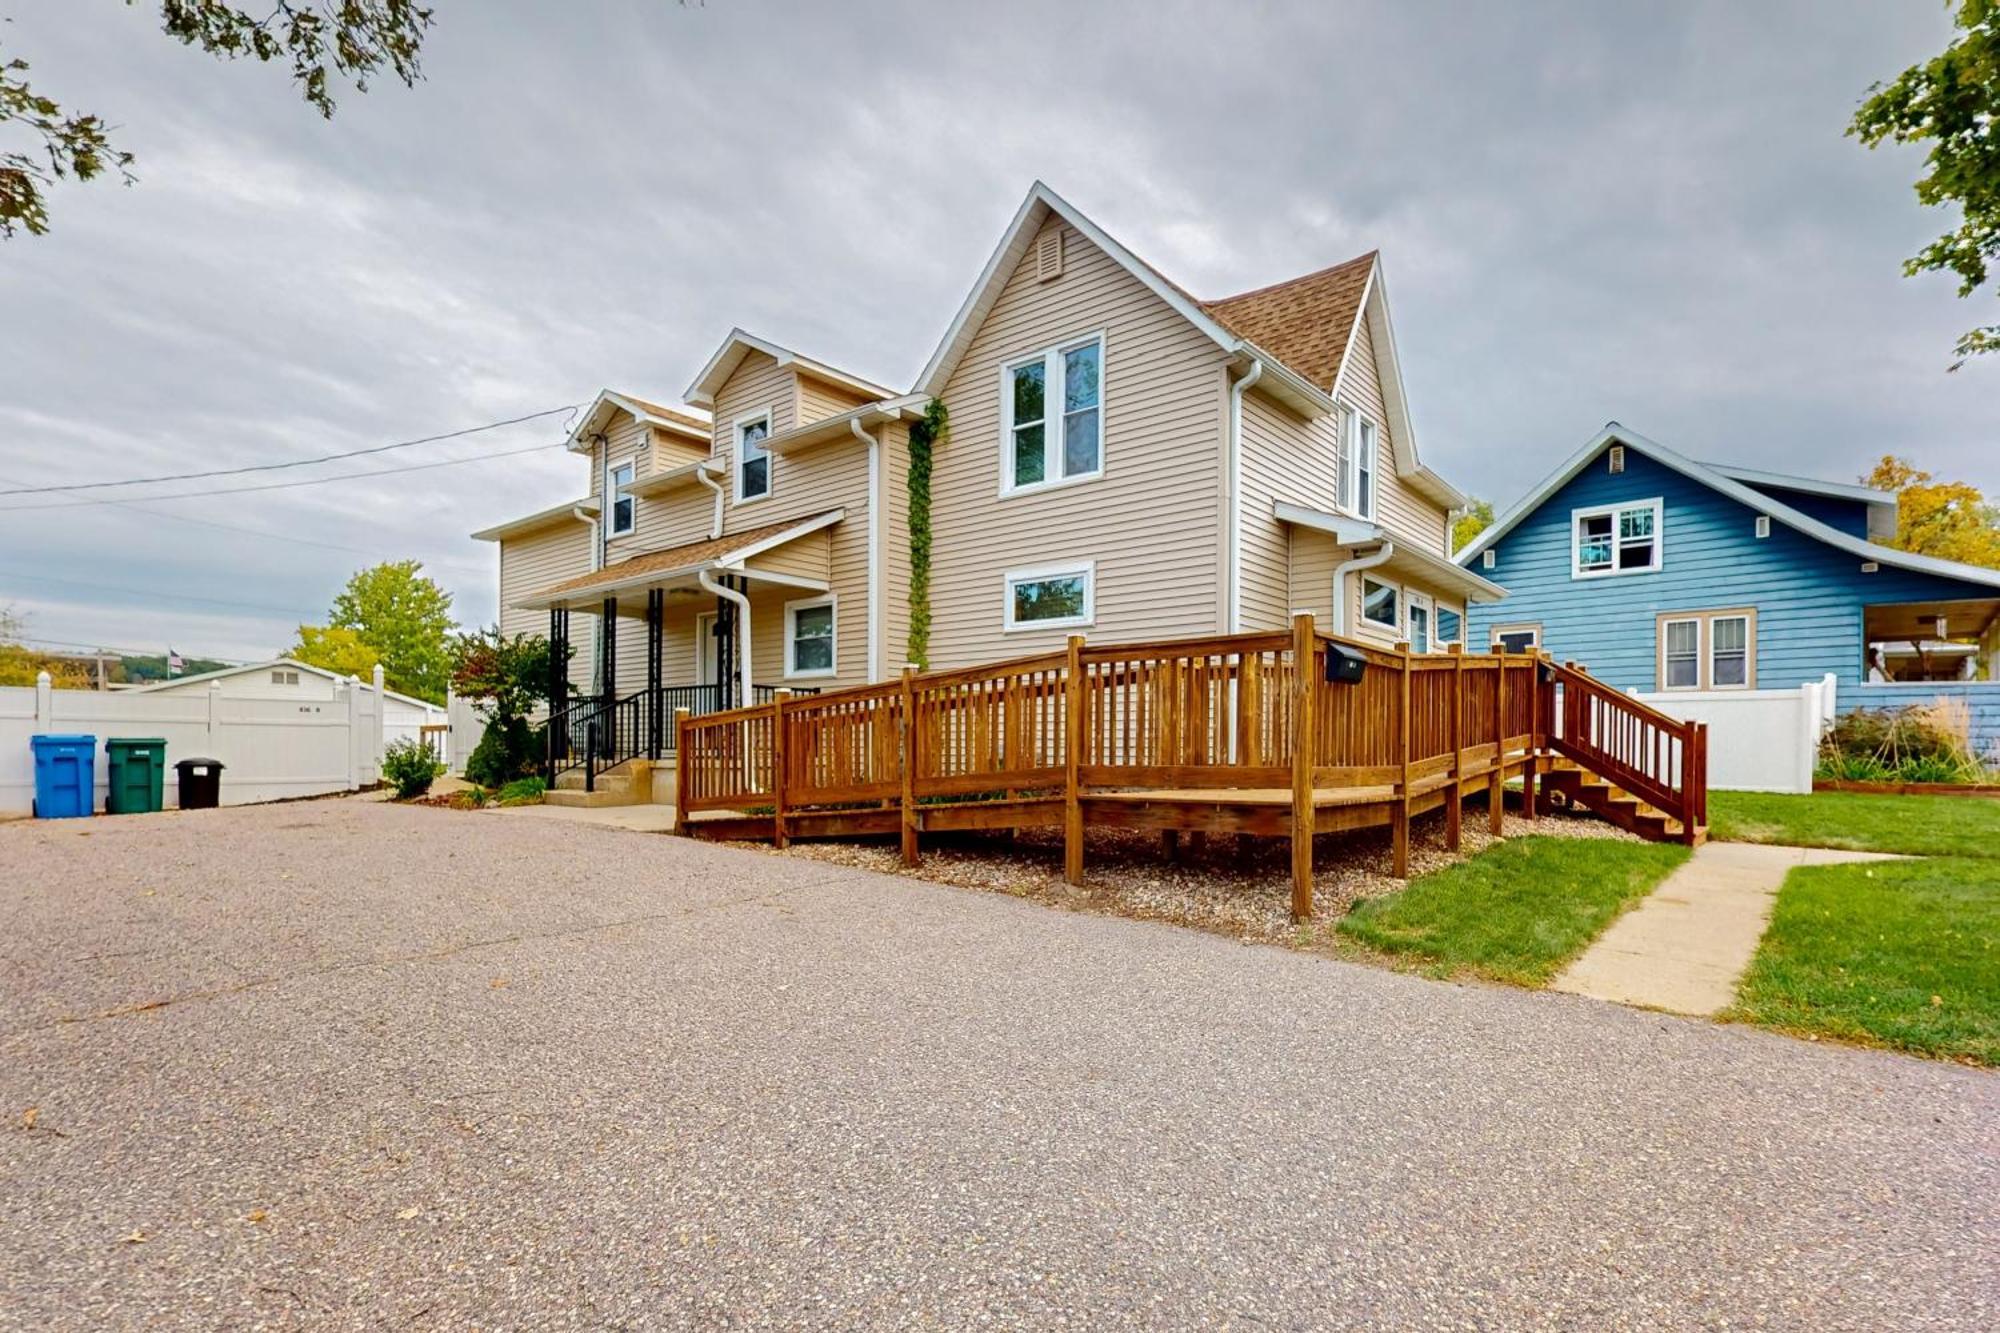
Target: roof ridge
[1292,282]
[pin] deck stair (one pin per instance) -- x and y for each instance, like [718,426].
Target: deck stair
[1572,784]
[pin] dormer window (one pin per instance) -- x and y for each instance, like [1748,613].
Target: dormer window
[753,464]
[1607,540]
[623,515]
[1357,465]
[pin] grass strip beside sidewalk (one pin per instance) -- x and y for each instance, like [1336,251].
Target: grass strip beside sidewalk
[1858,822]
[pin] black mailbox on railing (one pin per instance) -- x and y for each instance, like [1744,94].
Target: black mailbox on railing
[1344,665]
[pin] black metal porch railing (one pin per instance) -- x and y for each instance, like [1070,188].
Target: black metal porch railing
[596,733]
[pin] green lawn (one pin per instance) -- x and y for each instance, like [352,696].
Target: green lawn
[1898,953]
[1917,825]
[1516,912]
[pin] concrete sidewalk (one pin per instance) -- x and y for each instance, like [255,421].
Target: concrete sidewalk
[1684,948]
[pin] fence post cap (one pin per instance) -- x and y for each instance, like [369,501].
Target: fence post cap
[44,678]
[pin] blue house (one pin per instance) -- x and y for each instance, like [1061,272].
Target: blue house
[1664,574]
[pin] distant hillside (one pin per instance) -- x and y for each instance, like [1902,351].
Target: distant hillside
[139,670]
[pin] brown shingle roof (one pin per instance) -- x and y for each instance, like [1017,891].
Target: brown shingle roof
[673,558]
[1304,322]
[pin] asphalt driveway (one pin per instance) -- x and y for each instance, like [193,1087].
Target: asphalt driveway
[341,1064]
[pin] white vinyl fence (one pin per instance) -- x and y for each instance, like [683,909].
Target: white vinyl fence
[1758,740]
[270,748]
[466,729]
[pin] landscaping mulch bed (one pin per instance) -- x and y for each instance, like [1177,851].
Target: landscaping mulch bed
[1244,891]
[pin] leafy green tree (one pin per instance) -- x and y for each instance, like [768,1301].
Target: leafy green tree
[506,678]
[400,616]
[1474,519]
[354,38]
[1952,102]
[337,649]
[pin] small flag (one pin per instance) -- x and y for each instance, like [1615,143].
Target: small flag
[174,663]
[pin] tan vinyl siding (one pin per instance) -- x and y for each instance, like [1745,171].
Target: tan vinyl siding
[533,561]
[1151,522]
[1315,555]
[818,400]
[1406,514]
[803,557]
[895,547]
[1284,458]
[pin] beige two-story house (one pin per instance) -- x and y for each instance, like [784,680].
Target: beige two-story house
[1120,459]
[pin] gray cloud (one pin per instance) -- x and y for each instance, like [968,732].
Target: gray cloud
[1586,213]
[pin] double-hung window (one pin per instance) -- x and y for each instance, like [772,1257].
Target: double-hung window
[1357,465]
[1052,405]
[1708,650]
[1052,597]
[753,464]
[1615,539]
[622,507]
[809,631]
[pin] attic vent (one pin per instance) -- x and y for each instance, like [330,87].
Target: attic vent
[1048,255]
[1870,567]
[1488,559]
[1763,525]
[1617,458]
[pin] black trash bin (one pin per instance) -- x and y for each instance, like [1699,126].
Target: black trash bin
[200,782]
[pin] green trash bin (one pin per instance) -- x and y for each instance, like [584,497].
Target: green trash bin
[138,775]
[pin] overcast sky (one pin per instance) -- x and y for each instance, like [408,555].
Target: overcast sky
[1586,211]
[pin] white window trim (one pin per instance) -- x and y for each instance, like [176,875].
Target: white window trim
[1576,517]
[1395,631]
[1052,390]
[1070,569]
[1700,644]
[1347,481]
[792,610]
[611,494]
[736,457]
[1494,632]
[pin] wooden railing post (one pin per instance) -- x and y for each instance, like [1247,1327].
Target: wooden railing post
[778,838]
[1073,762]
[681,771]
[909,764]
[1399,813]
[1304,732]
[1537,721]
[1453,814]
[1496,782]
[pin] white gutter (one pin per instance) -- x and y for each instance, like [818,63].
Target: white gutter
[1234,444]
[742,604]
[1379,556]
[715,525]
[874,545]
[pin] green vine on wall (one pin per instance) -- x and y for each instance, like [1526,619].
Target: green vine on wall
[925,435]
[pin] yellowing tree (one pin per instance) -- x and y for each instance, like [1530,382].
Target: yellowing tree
[1948,519]
[336,648]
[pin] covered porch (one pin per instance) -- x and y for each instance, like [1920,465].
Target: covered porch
[707,622]
[1909,642]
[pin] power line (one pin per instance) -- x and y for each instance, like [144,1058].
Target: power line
[138,508]
[18,489]
[287,485]
[287,612]
[127,652]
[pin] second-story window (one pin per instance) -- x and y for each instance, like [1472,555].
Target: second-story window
[1357,465]
[1052,416]
[753,464]
[1615,539]
[616,479]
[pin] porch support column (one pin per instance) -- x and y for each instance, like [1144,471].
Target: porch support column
[656,606]
[607,635]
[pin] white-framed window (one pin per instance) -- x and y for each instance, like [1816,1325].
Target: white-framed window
[810,625]
[1419,611]
[1052,416]
[1051,597]
[622,508]
[1517,638]
[1680,654]
[1708,650]
[1381,604]
[1607,540]
[753,464]
[1358,437]
[284,677]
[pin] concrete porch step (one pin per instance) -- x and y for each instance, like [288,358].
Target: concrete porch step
[634,782]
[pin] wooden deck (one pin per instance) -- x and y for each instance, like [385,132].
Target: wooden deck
[1241,734]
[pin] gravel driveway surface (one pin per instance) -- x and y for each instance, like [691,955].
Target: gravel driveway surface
[339,1064]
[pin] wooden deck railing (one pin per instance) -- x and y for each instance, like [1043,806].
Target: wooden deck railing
[1660,759]
[1252,714]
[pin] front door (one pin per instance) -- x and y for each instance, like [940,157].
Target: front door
[1420,622]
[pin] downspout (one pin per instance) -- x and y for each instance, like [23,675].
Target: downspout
[1354,566]
[742,605]
[874,544]
[701,475]
[1234,445]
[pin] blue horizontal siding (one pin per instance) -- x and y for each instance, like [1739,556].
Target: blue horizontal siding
[1982,699]
[1848,516]
[1809,596]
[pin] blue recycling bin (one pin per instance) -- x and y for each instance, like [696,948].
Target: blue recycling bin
[65,775]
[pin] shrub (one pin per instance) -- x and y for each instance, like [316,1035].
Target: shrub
[409,767]
[522,791]
[506,750]
[1919,743]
